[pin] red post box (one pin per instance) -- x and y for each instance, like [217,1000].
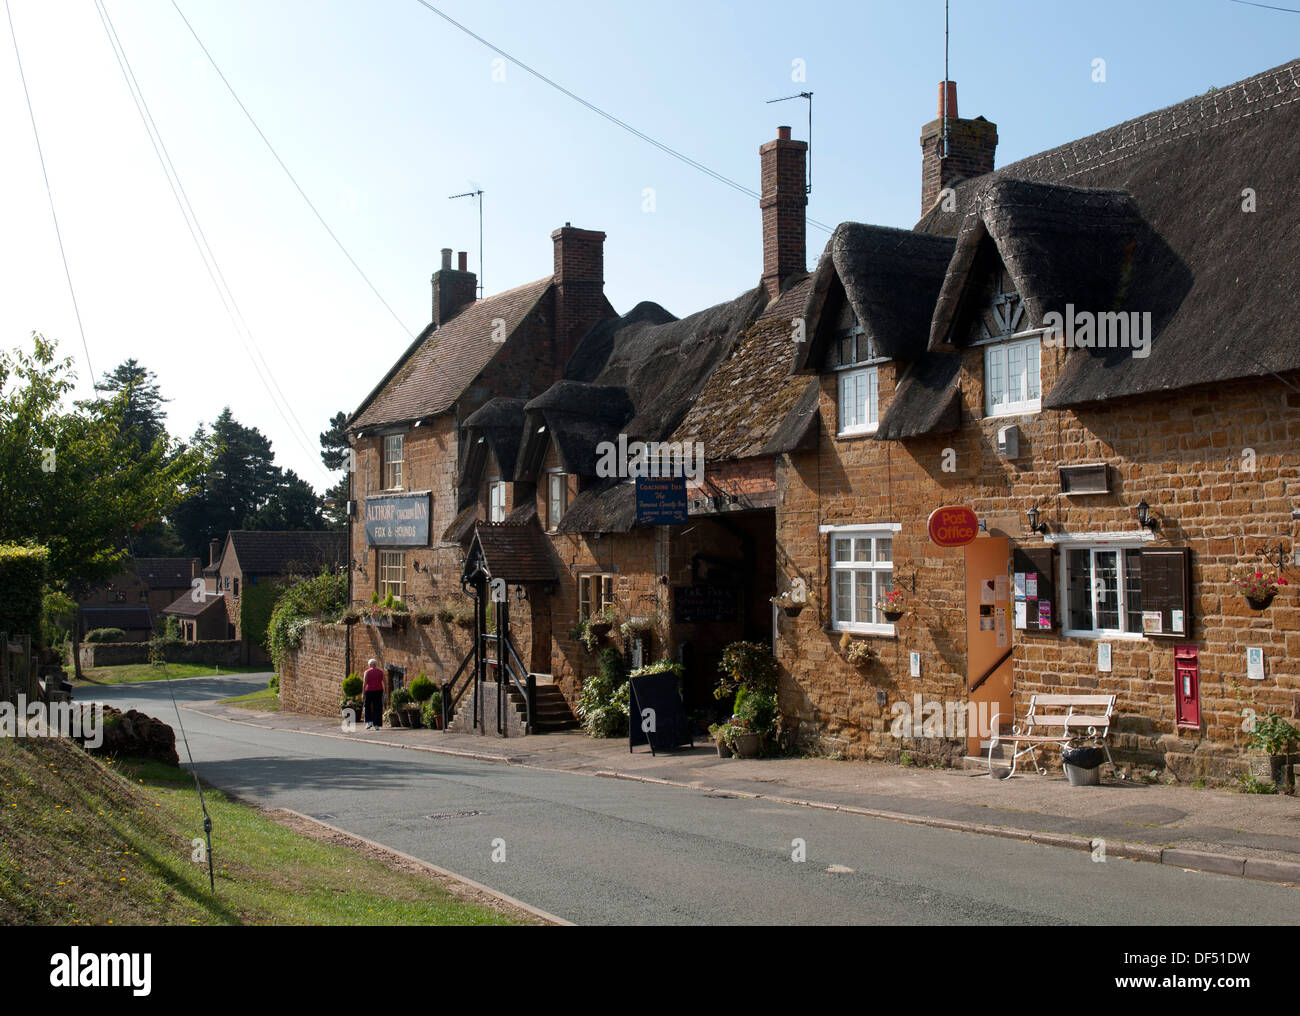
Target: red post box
[1187,686]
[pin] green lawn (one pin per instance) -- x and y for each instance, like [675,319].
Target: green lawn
[88,842]
[266,701]
[134,673]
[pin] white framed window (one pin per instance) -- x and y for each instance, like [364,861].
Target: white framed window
[862,572]
[557,499]
[1101,587]
[496,501]
[394,450]
[859,401]
[392,573]
[594,592]
[1013,377]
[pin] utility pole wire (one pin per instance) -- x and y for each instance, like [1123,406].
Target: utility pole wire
[303,194]
[600,112]
[224,291]
[49,193]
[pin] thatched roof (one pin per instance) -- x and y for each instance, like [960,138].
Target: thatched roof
[1060,245]
[443,362]
[663,365]
[577,416]
[891,277]
[926,399]
[496,426]
[745,409]
[606,507]
[1209,272]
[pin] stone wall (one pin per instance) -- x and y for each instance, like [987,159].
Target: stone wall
[224,653]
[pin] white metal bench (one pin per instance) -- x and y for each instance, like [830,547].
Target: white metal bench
[1058,720]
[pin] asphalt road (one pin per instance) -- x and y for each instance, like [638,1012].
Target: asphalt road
[601,851]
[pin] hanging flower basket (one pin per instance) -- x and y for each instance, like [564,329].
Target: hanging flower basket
[1257,585]
[893,605]
[790,606]
[1259,602]
[794,610]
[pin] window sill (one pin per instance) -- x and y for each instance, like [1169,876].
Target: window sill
[1019,410]
[884,631]
[848,435]
[1105,636]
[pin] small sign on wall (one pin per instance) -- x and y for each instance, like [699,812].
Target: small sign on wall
[1103,657]
[915,660]
[1255,663]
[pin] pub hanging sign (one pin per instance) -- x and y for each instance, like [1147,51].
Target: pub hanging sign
[398,520]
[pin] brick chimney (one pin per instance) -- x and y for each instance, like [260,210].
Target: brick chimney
[579,287]
[971,145]
[784,202]
[214,549]
[454,289]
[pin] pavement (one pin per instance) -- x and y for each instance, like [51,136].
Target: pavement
[1254,836]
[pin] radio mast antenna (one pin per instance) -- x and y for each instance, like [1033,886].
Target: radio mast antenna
[808,96]
[479,195]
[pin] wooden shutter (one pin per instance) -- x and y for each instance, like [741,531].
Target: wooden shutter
[1167,590]
[1039,562]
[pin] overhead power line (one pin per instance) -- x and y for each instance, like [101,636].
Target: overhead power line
[292,179]
[748,191]
[49,193]
[1267,7]
[208,256]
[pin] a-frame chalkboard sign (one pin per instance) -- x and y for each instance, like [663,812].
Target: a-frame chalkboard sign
[656,715]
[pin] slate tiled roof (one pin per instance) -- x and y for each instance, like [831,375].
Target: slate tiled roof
[187,606]
[126,618]
[165,572]
[516,552]
[443,362]
[749,396]
[281,553]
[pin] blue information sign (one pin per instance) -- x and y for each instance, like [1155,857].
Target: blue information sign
[397,520]
[660,500]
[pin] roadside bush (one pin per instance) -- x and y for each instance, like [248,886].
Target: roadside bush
[422,688]
[323,596]
[58,615]
[106,635]
[603,703]
[352,685]
[22,577]
[432,710]
[274,683]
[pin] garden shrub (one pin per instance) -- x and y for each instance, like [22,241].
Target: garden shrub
[106,635]
[603,702]
[22,577]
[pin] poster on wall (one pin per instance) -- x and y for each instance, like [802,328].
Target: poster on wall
[1000,589]
[986,590]
[1152,622]
[1176,622]
[1103,657]
[1044,613]
[1022,615]
[1255,663]
[1018,585]
[1031,585]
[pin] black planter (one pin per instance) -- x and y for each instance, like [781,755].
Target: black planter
[1260,603]
[893,615]
[793,611]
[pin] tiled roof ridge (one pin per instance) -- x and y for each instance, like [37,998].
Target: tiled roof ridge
[1141,136]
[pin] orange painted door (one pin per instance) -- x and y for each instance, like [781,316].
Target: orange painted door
[990,635]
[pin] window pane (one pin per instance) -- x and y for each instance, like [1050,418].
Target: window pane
[1133,589]
[843,596]
[847,385]
[1079,592]
[862,549]
[995,376]
[860,401]
[1016,373]
[873,397]
[843,548]
[884,548]
[1032,369]
[862,603]
[884,584]
[1106,584]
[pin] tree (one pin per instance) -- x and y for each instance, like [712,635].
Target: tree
[336,453]
[292,505]
[143,415]
[77,482]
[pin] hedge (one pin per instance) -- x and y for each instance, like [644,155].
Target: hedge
[22,576]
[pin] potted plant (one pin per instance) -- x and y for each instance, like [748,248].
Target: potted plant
[789,605]
[1257,586]
[424,617]
[446,611]
[391,718]
[600,623]
[351,617]
[893,605]
[857,651]
[398,703]
[747,664]
[639,624]
[720,733]
[1273,738]
[431,711]
[352,698]
[422,691]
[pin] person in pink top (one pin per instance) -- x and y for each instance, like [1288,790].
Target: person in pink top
[375,683]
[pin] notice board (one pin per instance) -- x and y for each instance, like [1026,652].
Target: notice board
[705,603]
[656,715]
[1033,583]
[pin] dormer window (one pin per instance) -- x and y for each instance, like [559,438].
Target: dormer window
[496,501]
[1012,355]
[858,384]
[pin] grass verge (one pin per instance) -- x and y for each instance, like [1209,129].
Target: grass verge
[89,842]
[136,673]
[266,700]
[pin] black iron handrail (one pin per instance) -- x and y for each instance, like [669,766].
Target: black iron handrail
[989,673]
[450,697]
